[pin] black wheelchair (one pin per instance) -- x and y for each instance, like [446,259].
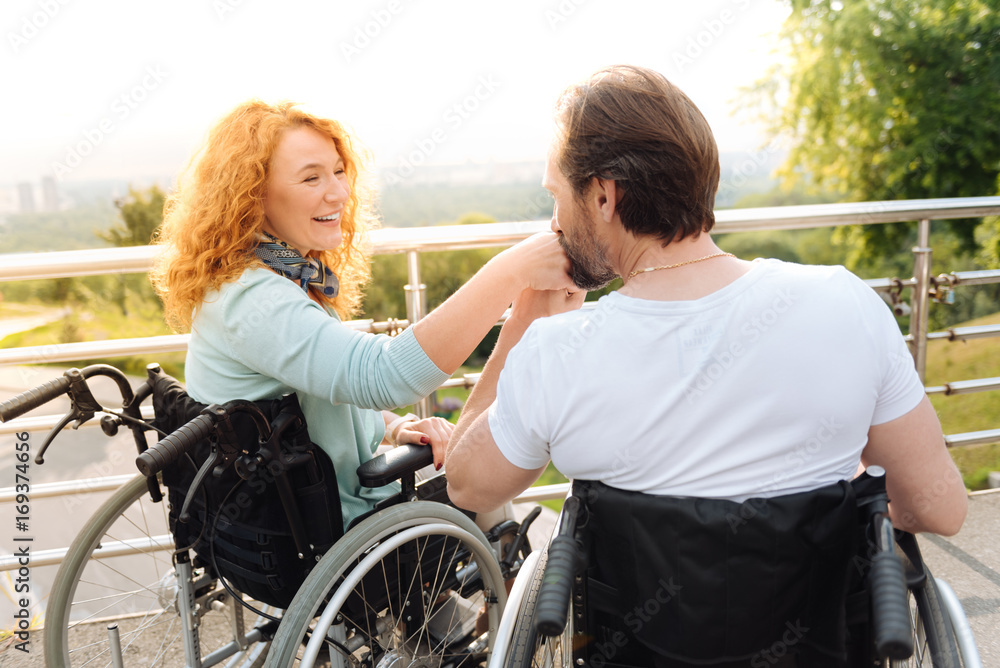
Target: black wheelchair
[635,580]
[245,558]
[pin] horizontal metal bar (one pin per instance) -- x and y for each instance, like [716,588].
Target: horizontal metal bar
[543,493]
[90,262]
[965,333]
[975,277]
[88,350]
[137,259]
[68,487]
[965,386]
[887,284]
[151,345]
[853,213]
[468,381]
[973,438]
[107,549]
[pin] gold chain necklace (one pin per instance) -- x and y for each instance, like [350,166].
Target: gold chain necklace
[679,264]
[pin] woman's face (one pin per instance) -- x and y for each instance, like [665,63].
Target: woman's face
[307,190]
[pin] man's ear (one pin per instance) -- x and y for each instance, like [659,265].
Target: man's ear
[605,195]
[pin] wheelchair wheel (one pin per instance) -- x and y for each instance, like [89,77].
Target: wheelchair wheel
[97,584]
[934,642]
[403,587]
[527,648]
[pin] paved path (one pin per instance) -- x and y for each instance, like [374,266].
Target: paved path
[23,323]
[970,564]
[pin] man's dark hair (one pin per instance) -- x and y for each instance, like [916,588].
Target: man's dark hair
[630,125]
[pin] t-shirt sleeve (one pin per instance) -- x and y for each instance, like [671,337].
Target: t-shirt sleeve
[901,388]
[517,422]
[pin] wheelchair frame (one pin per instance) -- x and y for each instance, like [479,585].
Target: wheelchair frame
[537,628]
[183,602]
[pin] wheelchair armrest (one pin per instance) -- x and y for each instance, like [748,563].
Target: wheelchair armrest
[394,464]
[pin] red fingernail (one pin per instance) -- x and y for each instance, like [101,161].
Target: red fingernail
[425,440]
[437,467]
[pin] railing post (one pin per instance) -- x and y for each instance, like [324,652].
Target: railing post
[921,296]
[416,308]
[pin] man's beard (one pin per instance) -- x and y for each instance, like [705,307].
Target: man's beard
[589,268]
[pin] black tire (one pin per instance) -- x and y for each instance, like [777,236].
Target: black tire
[135,590]
[934,642]
[391,616]
[527,648]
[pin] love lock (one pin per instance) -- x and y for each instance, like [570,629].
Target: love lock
[942,289]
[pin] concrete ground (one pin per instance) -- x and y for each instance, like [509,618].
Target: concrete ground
[970,563]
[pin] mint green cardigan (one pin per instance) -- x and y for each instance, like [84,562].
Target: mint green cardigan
[261,337]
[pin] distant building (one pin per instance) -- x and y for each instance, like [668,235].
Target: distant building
[26,196]
[50,194]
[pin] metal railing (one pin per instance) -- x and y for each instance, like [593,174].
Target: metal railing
[413,241]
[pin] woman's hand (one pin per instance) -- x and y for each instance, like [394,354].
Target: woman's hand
[539,262]
[432,431]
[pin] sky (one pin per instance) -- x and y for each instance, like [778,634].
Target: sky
[126,89]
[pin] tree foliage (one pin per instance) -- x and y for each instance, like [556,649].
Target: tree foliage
[140,213]
[890,99]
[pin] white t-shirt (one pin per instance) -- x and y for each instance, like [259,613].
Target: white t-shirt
[765,387]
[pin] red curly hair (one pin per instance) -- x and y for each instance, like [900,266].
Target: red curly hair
[212,222]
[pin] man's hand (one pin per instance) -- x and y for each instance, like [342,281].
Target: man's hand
[532,304]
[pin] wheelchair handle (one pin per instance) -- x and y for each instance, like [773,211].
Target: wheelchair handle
[890,607]
[169,450]
[557,582]
[32,399]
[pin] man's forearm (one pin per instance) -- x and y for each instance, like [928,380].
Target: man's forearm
[485,390]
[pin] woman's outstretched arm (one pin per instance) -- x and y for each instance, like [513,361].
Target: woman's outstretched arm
[452,331]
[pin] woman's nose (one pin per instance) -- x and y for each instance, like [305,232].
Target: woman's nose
[337,192]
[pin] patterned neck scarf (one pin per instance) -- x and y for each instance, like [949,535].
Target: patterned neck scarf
[306,271]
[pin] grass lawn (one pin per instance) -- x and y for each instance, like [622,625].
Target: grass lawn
[949,361]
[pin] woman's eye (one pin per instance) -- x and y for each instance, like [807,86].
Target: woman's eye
[313,178]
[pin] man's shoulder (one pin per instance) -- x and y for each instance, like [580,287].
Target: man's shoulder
[819,272]
[804,277]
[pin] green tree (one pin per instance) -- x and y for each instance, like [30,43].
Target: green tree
[140,214]
[890,99]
